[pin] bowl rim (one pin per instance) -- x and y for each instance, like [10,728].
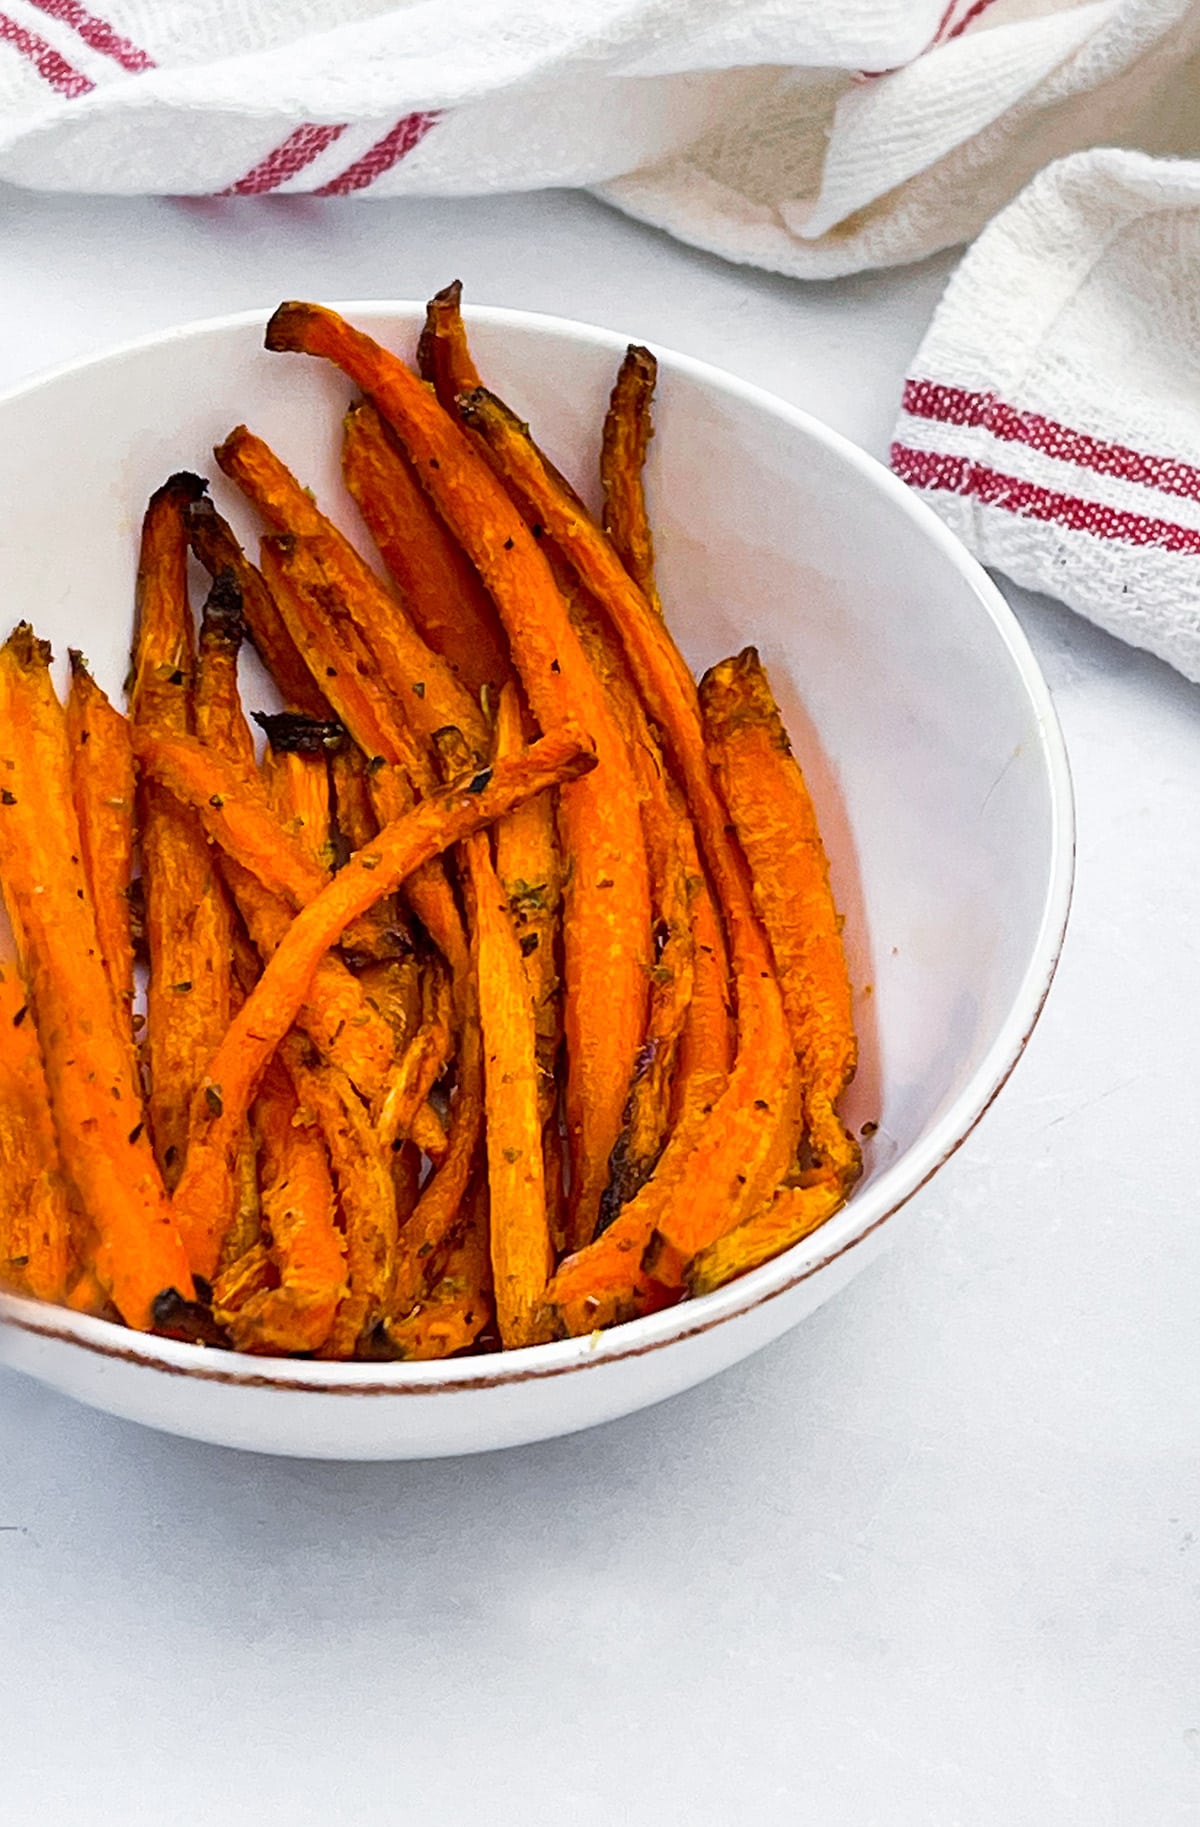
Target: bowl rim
[866,1212]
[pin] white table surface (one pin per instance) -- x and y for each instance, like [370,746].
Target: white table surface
[933,1558]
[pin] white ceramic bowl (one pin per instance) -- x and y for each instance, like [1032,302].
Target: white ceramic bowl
[914,703]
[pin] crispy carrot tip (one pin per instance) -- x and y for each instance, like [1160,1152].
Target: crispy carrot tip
[285,331]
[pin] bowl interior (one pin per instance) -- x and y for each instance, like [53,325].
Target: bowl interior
[913,706]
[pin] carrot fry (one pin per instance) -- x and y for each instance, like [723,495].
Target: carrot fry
[101,1137]
[423,1062]
[297,787]
[522,1250]
[529,864]
[606,928]
[769,803]
[366,1196]
[459,1305]
[203,1197]
[187,913]
[792,1214]
[444,357]
[102,783]
[294,1308]
[35,1220]
[755,1120]
[353,596]
[215,545]
[353,811]
[217,705]
[628,429]
[452,610]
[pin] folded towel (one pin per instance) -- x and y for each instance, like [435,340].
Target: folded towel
[809,138]
[1052,414]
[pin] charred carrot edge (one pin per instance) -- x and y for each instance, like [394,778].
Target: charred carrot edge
[102,1138]
[769,802]
[459,1305]
[216,546]
[522,1248]
[793,1213]
[452,610]
[103,786]
[187,913]
[443,354]
[529,864]
[628,429]
[423,1061]
[429,1134]
[219,718]
[353,813]
[366,1195]
[606,927]
[35,1219]
[306,1248]
[203,1196]
[420,679]
[755,1121]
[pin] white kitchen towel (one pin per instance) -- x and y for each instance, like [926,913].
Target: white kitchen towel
[1052,414]
[792,134]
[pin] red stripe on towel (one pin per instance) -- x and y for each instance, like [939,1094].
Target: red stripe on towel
[97,33]
[47,61]
[293,154]
[934,470]
[382,156]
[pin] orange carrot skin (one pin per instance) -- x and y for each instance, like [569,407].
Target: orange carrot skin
[628,429]
[530,866]
[440,586]
[35,1220]
[203,1198]
[187,913]
[522,1249]
[606,926]
[423,1061]
[102,1140]
[103,787]
[215,545]
[769,802]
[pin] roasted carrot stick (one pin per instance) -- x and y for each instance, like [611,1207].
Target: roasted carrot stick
[297,786]
[459,1305]
[522,1251]
[441,588]
[294,1309]
[366,1195]
[97,1106]
[423,1061]
[444,357]
[353,811]
[203,1196]
[793,1213]
[420,679]
[187,913]
[530,866]
[606,928]
[440,1205]
[215,545]
[35,1220]
[103,788]
[769,802]
[628,429]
